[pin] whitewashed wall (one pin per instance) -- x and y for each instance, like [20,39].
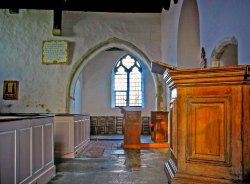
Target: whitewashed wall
[188,49]
[97,78]
[169,26]
[221,19]
[180,34]
[43,87]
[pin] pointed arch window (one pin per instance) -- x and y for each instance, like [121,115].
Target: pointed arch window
[128,83]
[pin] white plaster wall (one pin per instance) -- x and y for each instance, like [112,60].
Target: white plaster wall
[43,87]
[40,88]
[180,34]
[169,28]
[97,79]
[220,19]
[188,51]
[169,35]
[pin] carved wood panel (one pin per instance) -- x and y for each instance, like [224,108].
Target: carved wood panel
[208,130]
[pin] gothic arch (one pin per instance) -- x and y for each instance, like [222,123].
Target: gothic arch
[110,43]
[220,48]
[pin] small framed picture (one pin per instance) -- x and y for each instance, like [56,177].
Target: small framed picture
[10,90]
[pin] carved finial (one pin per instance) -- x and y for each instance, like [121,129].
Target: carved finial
[203,62]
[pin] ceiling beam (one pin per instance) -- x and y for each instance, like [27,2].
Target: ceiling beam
[57,25]
[128,6]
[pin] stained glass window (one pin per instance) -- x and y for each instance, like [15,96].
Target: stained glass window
[128,82]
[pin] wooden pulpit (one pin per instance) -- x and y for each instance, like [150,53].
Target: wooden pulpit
[132,129]
[209,125]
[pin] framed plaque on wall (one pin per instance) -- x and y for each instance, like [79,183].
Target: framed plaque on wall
[55,52]
[10,90]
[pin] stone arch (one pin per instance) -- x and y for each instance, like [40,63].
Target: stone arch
[220,49]
[110,43]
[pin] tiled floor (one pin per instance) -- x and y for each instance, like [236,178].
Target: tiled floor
[103,161]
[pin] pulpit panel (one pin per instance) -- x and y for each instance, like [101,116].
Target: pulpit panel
[208,130]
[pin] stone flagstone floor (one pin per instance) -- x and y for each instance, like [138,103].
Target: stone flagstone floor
[105,162]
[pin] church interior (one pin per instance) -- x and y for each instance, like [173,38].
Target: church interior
[161,87]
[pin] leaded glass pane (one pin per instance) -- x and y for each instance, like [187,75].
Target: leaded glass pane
[128,76]
[128,62]
[121,70]
[120,98]
[135,96]
[120,79]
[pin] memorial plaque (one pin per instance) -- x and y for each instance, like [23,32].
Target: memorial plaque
[55,52]
[10,90]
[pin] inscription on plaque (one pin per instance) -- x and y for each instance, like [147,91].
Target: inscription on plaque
[55,52]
